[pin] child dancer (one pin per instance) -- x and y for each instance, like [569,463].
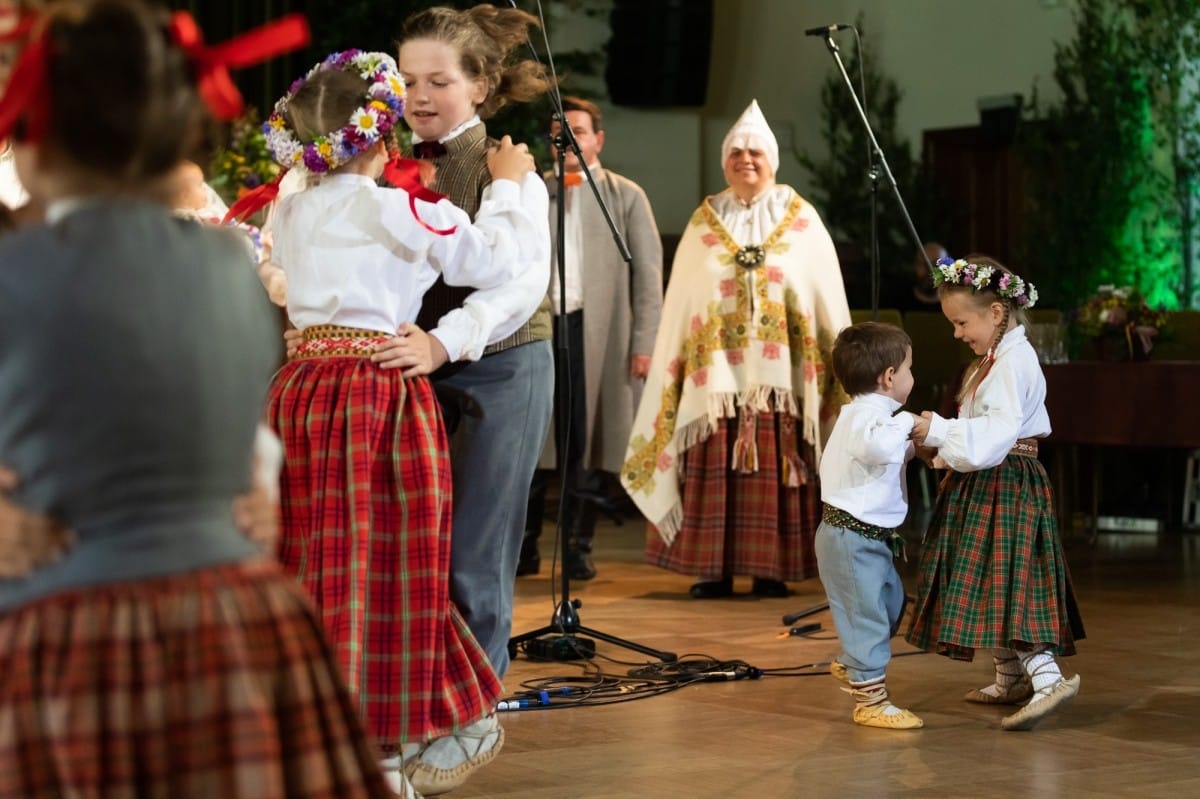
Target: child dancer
[458,71]
[993,575]
[864,501]
[366,486]
[152,652]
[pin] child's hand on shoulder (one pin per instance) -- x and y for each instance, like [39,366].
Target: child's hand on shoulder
[411,349]
[508,161]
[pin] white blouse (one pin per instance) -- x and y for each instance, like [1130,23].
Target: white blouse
[751,223]
[354,255]
[862,465]
[1008,404]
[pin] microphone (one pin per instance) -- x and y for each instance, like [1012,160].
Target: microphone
[825,30]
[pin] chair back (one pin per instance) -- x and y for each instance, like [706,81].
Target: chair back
[938,362]
[890,316]
[1179,340]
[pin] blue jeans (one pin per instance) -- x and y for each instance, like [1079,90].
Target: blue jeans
[497,412]
[866,598]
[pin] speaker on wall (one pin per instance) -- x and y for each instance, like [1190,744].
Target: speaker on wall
[659,51]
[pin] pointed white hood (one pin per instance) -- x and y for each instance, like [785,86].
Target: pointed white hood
[751,131]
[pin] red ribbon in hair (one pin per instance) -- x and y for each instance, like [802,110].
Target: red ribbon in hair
[25,95]
[212,64]
[405,173]
[26,87]
[254,200]
[21,29]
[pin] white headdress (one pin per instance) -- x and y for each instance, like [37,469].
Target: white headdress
[751,131]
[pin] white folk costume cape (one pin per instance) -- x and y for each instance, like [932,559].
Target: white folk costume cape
[746,326]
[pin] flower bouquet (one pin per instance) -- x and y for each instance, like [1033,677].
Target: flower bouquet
[1120,322]
[246,163]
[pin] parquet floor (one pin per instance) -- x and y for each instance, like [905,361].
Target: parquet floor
[1134,730]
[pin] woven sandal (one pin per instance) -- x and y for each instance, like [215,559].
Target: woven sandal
[839,672]
[1014,694]
[874,716]
[433,781]
[1061,694]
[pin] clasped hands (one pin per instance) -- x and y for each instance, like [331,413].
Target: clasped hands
[919,431]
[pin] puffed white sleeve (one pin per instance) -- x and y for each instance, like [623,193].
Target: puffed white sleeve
[878,439]
[986,437]
[492,313]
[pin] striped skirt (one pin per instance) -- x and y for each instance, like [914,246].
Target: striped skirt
[735,523]
[365,525]
[992,569]
[216,682]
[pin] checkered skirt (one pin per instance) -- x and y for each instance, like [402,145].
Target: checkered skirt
[216,682]
[992,573]
[735,523]
[366,512]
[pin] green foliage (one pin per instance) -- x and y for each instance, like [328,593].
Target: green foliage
[1110,164]
[842,185]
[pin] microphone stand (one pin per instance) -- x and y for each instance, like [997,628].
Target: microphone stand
[565,619]
[875,160]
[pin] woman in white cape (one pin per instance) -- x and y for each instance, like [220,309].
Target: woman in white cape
[741,394]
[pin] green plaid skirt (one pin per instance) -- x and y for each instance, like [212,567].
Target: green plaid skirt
[992,572]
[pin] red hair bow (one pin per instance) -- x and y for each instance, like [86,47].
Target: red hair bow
[212,64]
[25,94]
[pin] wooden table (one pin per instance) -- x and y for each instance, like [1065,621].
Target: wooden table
[1131,404]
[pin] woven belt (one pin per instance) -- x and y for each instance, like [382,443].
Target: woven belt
[836,517]
[332,341]
[1025,446]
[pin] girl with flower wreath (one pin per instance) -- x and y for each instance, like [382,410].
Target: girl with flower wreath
[993,575]
[365,490]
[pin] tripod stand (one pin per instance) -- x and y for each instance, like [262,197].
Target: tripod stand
[565,620]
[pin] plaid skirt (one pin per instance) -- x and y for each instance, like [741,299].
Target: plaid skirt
[736,523]
[365,525]
[992,569]
[216,682]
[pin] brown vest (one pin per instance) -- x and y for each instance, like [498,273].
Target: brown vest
[462,175]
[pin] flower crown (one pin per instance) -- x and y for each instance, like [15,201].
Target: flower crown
[367,125]
[983,276]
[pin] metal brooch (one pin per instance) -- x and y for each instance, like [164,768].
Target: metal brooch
[750,257]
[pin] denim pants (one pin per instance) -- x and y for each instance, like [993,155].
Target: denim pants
[866,598]
[497,412]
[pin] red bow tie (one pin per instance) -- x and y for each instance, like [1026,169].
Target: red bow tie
[429,149]
[572,179]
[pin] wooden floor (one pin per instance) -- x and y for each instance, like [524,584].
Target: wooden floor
[1134,730]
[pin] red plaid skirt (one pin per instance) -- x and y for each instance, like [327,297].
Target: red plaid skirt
[993,574]
[741,523]
[365,525]
[216,682]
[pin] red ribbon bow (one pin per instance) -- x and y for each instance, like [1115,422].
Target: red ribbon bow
[254,200]
[26,85]
[25,95]
[405,173]
[212,64]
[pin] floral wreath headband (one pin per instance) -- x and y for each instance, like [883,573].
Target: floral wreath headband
[980,277]
[367,125]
